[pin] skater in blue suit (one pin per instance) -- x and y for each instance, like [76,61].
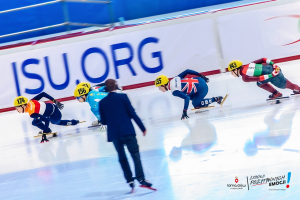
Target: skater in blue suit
[194,89]
[84,93]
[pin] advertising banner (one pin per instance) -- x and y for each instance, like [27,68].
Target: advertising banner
[132,58]
[272,32]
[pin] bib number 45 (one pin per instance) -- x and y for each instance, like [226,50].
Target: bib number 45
[158,81]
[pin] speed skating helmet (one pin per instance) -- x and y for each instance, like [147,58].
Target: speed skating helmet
[80,91]
[234,65]
[85,84]
[161,80]
[20,100]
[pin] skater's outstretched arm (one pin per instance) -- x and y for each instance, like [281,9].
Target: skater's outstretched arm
[192,72]
[264,60]
[41,95]
[133,114]
[247,78]
[44,94]
[183,96]
[255,78]
[42,118]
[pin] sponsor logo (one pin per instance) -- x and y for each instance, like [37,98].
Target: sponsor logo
[259,180]
[262,179]
[236,186]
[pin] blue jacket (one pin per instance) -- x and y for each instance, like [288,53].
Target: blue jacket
[93,98]
[116,112]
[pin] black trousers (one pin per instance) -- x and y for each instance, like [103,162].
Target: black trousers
[133,147]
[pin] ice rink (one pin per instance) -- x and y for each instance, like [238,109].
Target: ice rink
[185,160]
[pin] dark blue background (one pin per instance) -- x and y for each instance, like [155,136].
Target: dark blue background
[85,13]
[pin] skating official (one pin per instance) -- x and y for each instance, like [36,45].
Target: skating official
[116,112]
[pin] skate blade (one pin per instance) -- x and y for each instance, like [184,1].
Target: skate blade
[46,134]
[150,188]
[279,99]
[224,99]
[94,126]
[295,95]
[76,124]
[203,108]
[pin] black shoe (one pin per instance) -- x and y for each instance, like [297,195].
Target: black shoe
[145,183]
[218,99]
[131,184]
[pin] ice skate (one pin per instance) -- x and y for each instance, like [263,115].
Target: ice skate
[277,97]
[218,99]
[53,134]
[74,122]
[40,134]
[146,184]
[295,93]
[97,124]
[44,138]
[132,185]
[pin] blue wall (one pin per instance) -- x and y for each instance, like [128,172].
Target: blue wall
[85,13]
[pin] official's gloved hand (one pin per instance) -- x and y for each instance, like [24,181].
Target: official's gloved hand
[184,115]
[58,104]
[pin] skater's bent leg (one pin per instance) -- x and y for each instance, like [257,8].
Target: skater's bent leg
[55,118]
[202,91]
[133,148]
[39,124]
[279,81]
[202,103]
[266,86]
[119,146]
[292,86]
[65,122]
